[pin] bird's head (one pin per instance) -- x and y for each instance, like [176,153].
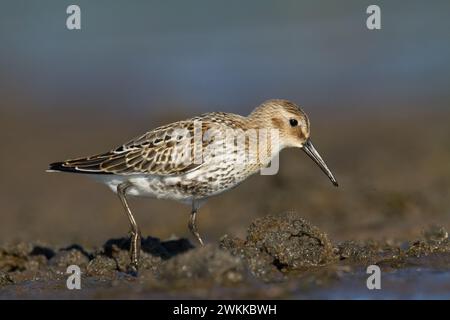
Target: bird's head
[293,128]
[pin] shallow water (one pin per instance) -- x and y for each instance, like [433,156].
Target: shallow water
[409,283]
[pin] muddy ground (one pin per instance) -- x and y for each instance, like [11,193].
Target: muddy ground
[392,209]
[283,256]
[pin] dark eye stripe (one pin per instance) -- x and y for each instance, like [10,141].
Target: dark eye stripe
[293,122]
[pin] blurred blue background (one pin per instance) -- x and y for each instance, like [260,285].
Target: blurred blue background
[224,55]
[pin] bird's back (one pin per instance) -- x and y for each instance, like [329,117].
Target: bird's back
[187,156]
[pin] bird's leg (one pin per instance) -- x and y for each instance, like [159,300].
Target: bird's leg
[193,226]
[135,241]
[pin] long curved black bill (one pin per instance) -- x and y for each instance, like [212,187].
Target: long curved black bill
[313,154]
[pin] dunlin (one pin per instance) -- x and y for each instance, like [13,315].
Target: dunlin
[171,162]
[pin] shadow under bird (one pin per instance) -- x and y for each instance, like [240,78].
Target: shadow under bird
[146,166]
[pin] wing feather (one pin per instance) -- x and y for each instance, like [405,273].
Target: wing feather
[155,152]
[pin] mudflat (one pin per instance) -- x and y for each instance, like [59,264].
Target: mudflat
[291,235]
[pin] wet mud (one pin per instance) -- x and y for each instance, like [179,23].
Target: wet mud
[282,256]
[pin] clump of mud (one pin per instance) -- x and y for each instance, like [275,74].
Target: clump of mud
[5,279]
[25,261]
[276,247]
[209,262]
[281,243]
[23,256]
[367,252]
[395,254]
[73,255]
[435,239]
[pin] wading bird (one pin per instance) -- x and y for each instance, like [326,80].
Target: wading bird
[150,165]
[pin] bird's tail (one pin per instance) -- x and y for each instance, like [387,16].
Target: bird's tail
[89,165]
[61,167]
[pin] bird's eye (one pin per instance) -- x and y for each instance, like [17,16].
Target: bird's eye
[293,122]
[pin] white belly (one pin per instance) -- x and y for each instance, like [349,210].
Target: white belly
[146,186]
